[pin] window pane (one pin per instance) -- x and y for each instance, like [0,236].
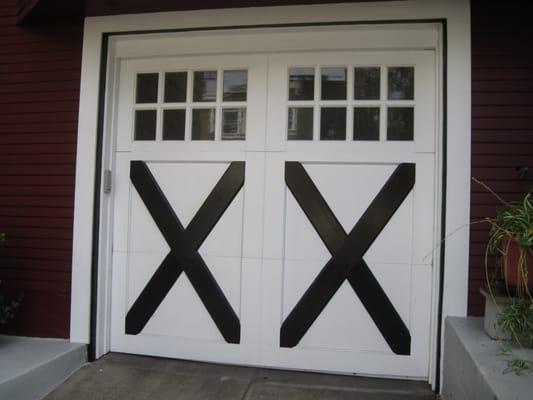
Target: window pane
[173,124]
[205,86]
[301,83]
[145,124]
[333,124]
[203,124]
[235,85]
[146,91]
[401,83]
[333,83]
[366,83]
[300,126]
[233,124]
[366,123]
[175,87]
[400,123]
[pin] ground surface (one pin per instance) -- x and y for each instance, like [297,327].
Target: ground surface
[120,377]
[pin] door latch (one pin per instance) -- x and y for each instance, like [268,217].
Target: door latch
[107,181]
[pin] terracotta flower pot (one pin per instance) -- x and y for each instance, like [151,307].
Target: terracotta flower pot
[512,275]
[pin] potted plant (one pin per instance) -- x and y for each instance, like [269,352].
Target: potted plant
[510,316]
[511,237]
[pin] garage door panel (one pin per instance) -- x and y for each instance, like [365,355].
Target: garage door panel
[344,324]
[225,239]
[315,257]
[186,185]
[182,315]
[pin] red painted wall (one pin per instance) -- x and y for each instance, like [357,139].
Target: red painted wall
[502,119]
[39,90]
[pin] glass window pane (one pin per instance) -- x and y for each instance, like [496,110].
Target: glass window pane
[175,87]
[300,126]
[366,123]
[145,124]
[205,86]
[400,123]
[173,124]
[146,91]
[235,85]
[401,83]
[203,124]
[366,83]
[333,124]
[233,123]
[333,84]
[301,84]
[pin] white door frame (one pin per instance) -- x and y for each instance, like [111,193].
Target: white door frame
[450,20]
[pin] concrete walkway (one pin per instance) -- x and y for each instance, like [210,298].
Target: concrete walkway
[119,376]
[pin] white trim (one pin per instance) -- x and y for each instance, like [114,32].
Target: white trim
[457,15]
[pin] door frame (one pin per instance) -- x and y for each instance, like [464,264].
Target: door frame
[107,39]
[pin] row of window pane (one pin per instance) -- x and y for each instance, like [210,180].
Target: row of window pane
[400,123]
[203,124]
[367,83]
[234,88]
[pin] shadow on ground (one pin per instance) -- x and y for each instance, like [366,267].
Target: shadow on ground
[119,377]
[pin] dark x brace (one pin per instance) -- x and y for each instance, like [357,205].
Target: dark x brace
[184,245]
[347,252]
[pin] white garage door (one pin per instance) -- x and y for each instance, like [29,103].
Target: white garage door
[277,210]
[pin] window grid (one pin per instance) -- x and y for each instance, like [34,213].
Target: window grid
[189,104]
[350,103]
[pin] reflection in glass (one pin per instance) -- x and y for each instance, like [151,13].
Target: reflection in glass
[400,123]
[366,123]
[401,83]
[205,86]
[301,83]
[366,83]
[203,124]
[235,85]
[333,123]
[146,91]
[233,123]
[300,123]
[175,87]
[333,84]
[173,124]
[145,124]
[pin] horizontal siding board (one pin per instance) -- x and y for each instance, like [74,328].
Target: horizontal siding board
[41,107]
[502,136]
[58,101]
[15,119]
[503,86]
[35,233]
[50,212]
[36,180]
[35,264]
[502,111]
[35,222]
[40,67]
[39,87]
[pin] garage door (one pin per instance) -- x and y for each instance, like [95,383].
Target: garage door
[277,210]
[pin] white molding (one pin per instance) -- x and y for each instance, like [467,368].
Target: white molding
[455,12]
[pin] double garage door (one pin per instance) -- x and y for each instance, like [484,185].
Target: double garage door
[277,210]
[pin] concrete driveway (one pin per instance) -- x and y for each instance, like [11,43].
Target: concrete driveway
[121,377]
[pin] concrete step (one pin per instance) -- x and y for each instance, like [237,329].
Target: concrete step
[30,368]
[474,367]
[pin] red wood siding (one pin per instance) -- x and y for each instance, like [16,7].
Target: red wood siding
[502,119]
[39,91]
